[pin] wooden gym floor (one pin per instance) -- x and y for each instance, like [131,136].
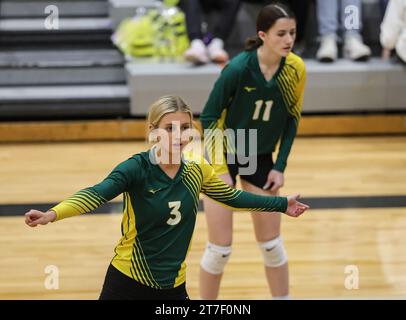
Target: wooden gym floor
[321,244]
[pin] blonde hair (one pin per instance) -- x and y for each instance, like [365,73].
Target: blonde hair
[164,105]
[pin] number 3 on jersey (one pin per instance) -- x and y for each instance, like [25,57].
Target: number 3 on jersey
[258,108]
[175,213]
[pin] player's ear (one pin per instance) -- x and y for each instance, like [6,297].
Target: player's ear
[152,136]
[261,35]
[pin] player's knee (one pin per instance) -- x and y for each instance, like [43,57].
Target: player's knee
[215,258]
[274,252]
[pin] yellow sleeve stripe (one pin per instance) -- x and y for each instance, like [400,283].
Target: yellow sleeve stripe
[193,177]
[197,177]
[292,109]
[88,202]
[96,197]
[288,86]
[288,82]
[192,191]
[86,199]
[292,71]
[218,188]
[221,193]
[82,207]
[81,202]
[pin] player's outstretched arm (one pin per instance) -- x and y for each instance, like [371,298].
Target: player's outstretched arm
[88,199]
[220,192]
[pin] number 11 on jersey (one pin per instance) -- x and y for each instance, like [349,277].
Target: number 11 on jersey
[258,108]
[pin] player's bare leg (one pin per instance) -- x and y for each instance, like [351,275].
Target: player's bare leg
[267,228]
[220,227]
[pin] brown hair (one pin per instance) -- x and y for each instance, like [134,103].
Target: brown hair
[266,19]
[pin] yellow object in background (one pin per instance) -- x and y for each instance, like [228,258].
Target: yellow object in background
[171,3]
[135,36]
[177,33]
[159,32]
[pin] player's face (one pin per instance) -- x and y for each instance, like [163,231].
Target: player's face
[177,127]
[280,38]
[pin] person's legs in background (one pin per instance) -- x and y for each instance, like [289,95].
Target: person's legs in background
[327,17]
[222,29]
[197,53]
[351,21]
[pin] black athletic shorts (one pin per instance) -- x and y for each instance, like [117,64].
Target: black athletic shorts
[118,286]
[259,178]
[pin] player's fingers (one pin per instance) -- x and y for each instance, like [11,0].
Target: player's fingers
[33,223]
[267,185]
[303,205]
[28,215]
[34,214]
[275,187]
[298,212]
[27,220]
[36,220]
[43,221]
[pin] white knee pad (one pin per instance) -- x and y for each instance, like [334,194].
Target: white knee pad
[215,258]
[274,252]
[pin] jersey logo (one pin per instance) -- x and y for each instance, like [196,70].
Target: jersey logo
[249,89]
[153,191]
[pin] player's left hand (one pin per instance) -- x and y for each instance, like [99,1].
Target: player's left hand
[274,182]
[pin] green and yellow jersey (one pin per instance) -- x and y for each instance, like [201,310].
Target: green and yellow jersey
[160,213]
[243,99]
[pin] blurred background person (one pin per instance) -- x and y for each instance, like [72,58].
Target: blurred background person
[393,30]
[334,16]
[200,51]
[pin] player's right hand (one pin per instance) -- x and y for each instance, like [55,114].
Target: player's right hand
[35,217]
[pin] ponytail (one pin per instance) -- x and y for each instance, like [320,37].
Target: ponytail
[253,43]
